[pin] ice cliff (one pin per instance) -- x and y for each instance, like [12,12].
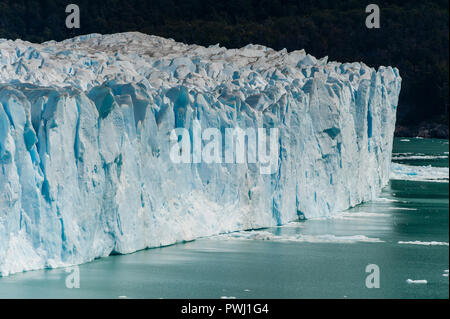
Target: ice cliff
[84,142]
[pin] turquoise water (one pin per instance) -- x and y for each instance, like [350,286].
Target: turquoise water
[322,258]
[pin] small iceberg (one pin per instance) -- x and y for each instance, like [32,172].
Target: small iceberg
[422,281]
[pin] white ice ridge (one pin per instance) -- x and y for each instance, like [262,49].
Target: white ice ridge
[84,142]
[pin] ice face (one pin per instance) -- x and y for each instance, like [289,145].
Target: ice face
[84,143]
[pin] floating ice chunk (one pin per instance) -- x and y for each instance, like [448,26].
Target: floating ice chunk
[424,243]
[350,214]
[420,281]
[418,157]
[385,200]
[325,238]
[419,173]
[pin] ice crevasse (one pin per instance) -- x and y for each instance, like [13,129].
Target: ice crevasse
[84,142]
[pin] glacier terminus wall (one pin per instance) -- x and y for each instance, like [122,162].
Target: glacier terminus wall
[85,130]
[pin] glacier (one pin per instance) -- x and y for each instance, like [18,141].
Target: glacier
[84,143]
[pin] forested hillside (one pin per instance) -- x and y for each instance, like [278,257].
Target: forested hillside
[413,36]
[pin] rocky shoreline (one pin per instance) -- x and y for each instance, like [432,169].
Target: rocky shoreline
[425,130]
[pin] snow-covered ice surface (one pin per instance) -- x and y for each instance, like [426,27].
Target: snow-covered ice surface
[84,142]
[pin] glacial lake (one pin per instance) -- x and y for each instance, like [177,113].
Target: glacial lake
[405,234]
